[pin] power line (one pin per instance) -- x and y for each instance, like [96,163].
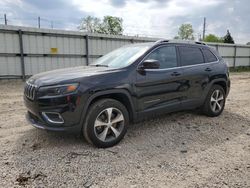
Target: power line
[129,29]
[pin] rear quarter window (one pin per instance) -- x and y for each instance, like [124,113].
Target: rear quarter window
[190,55]
[210,57]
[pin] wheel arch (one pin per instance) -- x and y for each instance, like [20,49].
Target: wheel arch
[120,95]
[221,83]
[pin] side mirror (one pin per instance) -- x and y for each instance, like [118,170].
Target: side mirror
[150,64]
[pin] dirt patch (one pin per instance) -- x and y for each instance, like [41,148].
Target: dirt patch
[183,149]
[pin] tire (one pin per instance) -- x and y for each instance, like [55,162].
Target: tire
[215,101]
[106,123]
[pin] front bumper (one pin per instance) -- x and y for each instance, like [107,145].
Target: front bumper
[69,108]
[34,121]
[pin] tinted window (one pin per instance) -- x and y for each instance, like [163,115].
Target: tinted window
[190,55]
[166,56]
[123,56]
[209,55]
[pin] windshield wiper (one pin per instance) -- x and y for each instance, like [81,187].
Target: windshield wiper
[100,65]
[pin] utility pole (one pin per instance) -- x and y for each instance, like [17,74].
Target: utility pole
[39,22]
[5,19]
[52,25]
[199,37]
[204,29]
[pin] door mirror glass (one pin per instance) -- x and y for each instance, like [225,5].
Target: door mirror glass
[150,64]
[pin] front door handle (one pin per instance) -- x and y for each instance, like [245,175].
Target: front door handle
[208,69]
[175,74]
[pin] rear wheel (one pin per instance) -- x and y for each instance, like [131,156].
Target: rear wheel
[106,123]
[215,101]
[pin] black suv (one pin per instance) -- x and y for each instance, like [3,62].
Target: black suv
[126,85]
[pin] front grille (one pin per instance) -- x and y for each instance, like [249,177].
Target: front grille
[30,91]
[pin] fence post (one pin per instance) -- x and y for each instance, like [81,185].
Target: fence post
[235,52]
[21,53]
[217,47]
[87,49]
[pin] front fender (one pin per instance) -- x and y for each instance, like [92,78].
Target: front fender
[107,92]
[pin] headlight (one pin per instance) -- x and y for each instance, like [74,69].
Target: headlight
[59,90]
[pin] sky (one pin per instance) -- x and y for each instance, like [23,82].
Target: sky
[153,18]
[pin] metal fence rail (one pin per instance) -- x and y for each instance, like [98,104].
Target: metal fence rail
[26,51]
[236,55]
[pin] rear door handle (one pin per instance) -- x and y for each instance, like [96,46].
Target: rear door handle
[175,74]
[208,69]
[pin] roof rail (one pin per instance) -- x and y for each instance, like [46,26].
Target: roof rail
[180,41]
[161,41]
[198,42]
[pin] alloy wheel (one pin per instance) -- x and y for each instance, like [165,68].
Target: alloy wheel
[217,101]
[109,124]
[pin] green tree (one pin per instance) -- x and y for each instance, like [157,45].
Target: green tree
[90,24]
[186,32]
[248,43]
[228,38]
[109,25]
[112,25]
[213,38]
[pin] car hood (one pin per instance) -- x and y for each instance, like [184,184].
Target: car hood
[66,74]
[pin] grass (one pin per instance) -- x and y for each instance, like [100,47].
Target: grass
[239,69]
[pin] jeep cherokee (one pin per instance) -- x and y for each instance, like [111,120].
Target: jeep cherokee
[126,85]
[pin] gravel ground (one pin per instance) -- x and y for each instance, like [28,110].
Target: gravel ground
[183,149]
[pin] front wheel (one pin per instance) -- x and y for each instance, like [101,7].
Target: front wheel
[106,123]
[215,101]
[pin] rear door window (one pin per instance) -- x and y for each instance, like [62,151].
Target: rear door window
[190,55]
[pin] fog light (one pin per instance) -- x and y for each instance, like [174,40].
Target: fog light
[53,117]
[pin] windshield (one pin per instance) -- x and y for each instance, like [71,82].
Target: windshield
[121,57]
